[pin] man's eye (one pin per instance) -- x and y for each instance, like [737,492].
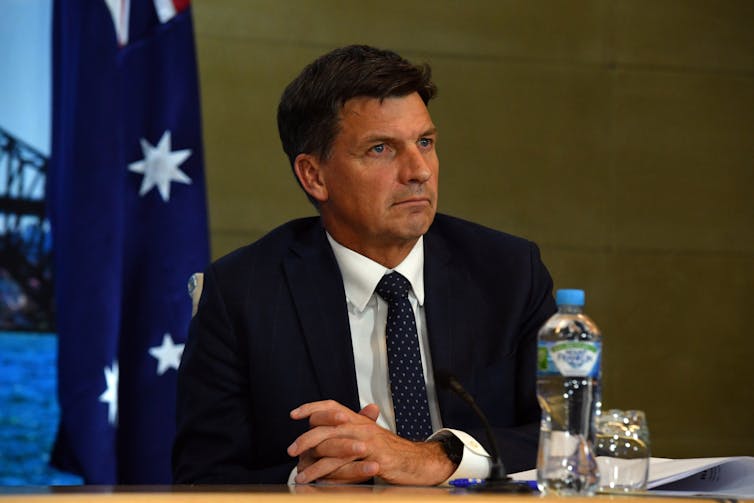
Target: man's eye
[426,142]
[378,149]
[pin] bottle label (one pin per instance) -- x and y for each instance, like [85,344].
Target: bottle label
[570,358]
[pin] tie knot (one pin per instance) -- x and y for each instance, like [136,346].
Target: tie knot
[393,287]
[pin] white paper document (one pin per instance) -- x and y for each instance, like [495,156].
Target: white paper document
[731,476]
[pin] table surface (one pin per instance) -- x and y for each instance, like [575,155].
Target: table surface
[298,494]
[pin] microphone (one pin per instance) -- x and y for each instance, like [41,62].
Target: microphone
[498,480]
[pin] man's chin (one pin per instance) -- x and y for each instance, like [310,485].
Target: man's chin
[417,224]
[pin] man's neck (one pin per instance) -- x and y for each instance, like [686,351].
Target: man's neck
[388,256]
[361,274]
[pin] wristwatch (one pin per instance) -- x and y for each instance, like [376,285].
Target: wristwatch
[452,446]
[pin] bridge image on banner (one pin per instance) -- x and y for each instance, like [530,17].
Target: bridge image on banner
[26,289]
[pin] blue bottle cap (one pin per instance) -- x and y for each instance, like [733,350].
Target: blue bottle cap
[569,297]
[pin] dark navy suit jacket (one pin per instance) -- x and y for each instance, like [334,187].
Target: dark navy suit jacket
[272,333]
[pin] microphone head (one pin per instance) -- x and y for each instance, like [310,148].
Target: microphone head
[446,380]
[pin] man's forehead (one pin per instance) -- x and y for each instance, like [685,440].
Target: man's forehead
[354,106]
[369,112]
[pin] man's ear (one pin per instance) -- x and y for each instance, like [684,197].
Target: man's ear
[309,172]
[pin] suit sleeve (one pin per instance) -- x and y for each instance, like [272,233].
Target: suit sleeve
[214,441]
[518,445]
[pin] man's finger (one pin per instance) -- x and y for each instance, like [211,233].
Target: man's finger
[345,448]
[305,460]
[372,411]
[352,473]
[319,469]
[330,417]
[307,409]
[310,439]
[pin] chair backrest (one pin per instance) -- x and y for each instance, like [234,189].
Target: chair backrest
[195,284]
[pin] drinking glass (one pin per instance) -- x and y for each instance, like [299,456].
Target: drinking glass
[622,450]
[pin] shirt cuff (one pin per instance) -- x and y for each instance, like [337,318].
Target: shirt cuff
[292,476]
[475,462]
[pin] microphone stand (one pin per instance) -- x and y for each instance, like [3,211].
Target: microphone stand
[498,480]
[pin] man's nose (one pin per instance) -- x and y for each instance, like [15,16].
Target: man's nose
[415,166]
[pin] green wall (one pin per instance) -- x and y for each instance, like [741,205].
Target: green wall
[619,135]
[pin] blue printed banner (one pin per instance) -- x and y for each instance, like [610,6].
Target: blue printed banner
[127,206]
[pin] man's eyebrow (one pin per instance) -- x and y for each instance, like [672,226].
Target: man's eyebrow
[378,138]
[385,138]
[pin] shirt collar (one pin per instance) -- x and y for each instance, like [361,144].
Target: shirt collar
[361,274]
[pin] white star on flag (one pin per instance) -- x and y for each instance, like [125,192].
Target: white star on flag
[110,395]
[160,166]
[168,354]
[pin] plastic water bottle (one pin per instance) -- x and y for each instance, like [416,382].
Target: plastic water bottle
[568,376]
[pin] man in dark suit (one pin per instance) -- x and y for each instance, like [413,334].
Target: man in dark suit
[290,370]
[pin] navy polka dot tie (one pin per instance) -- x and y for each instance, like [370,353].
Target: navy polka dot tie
[404,360]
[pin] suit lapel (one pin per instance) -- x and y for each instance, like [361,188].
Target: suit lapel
[317,289]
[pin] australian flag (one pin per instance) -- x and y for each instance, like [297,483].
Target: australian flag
[127,207]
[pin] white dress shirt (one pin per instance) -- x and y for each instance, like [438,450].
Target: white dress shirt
[367,315]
